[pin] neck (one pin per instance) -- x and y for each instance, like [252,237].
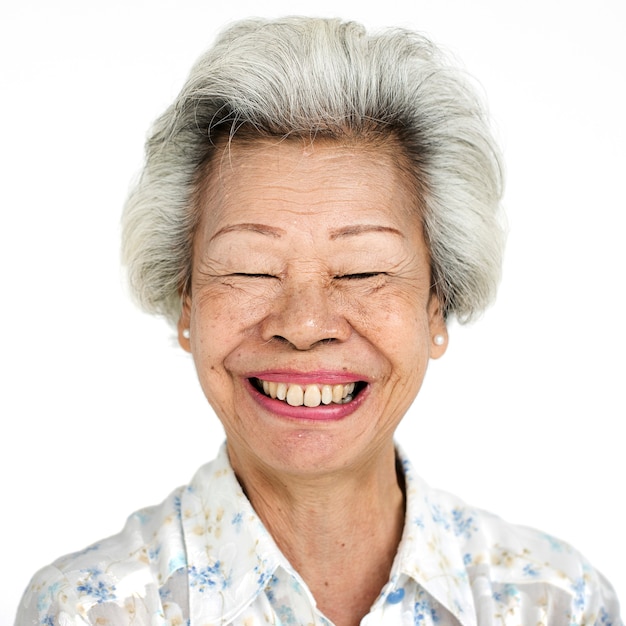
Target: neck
[340,531]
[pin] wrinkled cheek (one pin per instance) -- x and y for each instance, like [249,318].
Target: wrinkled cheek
[216,385]
[233,311]
[209,345]
[219,329]
[216,320]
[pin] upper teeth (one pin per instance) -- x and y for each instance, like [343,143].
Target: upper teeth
[309,395]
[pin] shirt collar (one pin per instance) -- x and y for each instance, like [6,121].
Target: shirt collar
[231,556]
[430,551]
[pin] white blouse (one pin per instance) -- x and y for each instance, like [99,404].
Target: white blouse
[203,558]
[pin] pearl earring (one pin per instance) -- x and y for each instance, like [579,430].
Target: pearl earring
[186,333]
[439,340]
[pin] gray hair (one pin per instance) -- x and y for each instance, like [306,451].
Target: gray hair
[312,77]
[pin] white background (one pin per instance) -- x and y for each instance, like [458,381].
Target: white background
[101,412]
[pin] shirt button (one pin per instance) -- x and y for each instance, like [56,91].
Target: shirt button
[395,596]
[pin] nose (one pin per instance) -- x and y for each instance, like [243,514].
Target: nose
[305,314]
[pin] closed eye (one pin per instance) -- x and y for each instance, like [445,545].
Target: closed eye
[246,275]
[361,275]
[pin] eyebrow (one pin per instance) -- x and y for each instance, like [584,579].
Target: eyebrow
[262,229]
[350,231]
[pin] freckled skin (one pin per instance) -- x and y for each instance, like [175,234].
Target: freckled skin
[289,272]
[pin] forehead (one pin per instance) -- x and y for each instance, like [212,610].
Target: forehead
[296,178]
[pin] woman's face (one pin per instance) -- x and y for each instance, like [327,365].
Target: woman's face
[311,313]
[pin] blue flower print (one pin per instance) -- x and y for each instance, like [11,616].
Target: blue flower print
[406,470]
[287,616]
[295,585]
[48,620]
[605,618]
[94,586]
[467,559]
[209,577]
[424,614]
[555,544]
[269,586]
[463,523]
[396,596]
[177,562]
[439,517]
[177,506]
[142,516]
[237,521]
[579,588]
[165,593]
[44,599]
[529,570]
[265,577]
[511,591]
[508,592]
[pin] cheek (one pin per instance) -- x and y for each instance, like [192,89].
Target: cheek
[399,329]
[220,318]
[395,317]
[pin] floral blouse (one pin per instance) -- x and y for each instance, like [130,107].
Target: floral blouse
[204,558]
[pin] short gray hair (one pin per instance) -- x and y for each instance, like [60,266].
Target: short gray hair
[311,77]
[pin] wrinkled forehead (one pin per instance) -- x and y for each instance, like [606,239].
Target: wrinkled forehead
[310,164]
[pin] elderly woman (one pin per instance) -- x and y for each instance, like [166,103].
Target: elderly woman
[314,207]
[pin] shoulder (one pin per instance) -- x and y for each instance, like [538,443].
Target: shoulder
[138,576]
[502,572]
[524,573]
[114,581]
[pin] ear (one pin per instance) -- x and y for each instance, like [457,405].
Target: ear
[184,324]
[437,328]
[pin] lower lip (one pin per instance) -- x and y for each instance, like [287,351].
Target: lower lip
[323,412]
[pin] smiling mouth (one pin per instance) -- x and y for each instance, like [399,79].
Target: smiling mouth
[308,395]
